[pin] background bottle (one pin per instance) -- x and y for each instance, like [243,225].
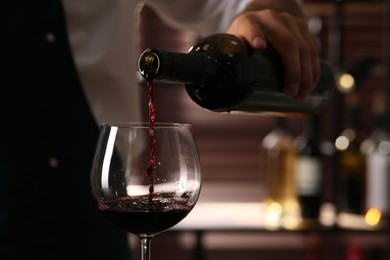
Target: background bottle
[309,172]
[279,155]
[377,151]
[350,165]
[221,74]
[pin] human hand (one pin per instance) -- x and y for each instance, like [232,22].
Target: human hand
[290,36]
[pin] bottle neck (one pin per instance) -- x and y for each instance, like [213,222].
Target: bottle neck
[156,64]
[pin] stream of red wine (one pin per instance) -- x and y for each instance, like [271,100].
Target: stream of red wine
[152,139]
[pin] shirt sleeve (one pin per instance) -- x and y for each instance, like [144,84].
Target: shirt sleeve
[202,16]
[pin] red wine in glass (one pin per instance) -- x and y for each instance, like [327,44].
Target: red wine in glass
[138,216]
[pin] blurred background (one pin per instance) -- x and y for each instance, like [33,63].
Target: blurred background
[337,205]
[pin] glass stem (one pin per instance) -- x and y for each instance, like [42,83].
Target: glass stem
[145,247]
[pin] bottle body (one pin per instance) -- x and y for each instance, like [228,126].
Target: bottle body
[279,156]
[377,152]
[221,74]
[351,173]
[378,179]
[309,172]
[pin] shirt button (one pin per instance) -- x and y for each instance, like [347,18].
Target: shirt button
[50,37]
[53,162]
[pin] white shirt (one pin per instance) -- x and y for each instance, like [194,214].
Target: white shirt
[103,40]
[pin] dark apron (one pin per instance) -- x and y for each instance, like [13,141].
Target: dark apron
[47,141]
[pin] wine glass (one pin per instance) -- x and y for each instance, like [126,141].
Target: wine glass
[146,179]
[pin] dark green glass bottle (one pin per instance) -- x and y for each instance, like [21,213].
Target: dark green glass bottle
[222,74]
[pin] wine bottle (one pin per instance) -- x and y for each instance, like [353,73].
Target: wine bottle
[222,74]
[309,172]
[377,151]
[278,155]
[351,171]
